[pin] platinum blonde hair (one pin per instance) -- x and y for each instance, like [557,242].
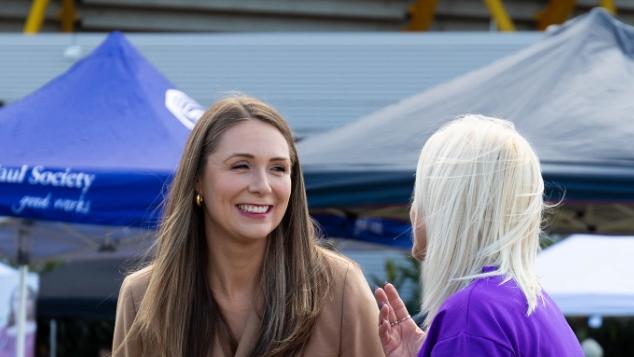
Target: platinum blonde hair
[479,194]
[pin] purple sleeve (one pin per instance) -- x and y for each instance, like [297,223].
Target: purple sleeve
[469,345]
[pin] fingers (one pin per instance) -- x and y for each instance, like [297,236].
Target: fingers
[384,302]
[384,314]
[381,297]
[386,330]
[385,335]
[395,302]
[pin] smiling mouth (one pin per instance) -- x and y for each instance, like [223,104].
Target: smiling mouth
[254,209]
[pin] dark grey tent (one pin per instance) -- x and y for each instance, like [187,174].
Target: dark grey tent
[571,94]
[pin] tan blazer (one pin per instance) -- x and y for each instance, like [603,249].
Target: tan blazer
[347,324]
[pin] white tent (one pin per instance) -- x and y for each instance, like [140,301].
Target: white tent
[9,281]
[590,275]
[10,343]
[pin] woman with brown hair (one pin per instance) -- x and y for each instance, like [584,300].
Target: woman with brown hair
[237,270]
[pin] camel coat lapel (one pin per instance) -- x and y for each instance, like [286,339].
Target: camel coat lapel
[249,336]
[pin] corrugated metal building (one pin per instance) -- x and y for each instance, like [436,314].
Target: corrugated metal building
[283,15]
[317,80]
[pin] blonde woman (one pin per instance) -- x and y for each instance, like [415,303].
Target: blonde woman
[476,218]
[237,271]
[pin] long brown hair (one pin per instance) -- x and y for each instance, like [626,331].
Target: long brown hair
[178,312]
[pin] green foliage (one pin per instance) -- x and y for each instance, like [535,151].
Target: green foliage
[47,266]
[39,268]
[400,275]
[547,240]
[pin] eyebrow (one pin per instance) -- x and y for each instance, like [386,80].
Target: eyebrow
[250,156]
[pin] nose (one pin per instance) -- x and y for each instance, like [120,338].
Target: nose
[260,182]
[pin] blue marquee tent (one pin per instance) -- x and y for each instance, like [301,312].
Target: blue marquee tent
[570,94]
[95,145]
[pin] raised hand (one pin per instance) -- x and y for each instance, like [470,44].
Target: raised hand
[400,336]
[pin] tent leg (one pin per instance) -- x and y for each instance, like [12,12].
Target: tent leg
[20,343]
[23,263]
[53,338]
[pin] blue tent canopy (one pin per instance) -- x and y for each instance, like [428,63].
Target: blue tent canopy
[97,145]
[570,94]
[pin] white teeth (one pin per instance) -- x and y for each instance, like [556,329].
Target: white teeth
[253,208]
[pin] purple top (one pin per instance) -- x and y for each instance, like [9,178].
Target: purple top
[489,319]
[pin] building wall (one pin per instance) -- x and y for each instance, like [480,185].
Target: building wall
[318,81]
[280,15]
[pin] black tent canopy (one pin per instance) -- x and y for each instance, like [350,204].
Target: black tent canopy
[570,94]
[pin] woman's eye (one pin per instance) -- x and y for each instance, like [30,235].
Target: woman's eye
[279,168]
[240,166]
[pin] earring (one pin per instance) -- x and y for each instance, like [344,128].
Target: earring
[199,200]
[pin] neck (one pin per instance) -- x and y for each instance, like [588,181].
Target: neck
[234,266]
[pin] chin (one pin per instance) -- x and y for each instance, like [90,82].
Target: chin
[256,235]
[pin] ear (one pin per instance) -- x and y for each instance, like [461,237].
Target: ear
[199,186]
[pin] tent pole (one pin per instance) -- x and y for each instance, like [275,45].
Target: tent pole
[23,260]
[53,338]
[22,312]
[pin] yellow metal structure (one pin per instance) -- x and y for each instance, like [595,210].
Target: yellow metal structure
[608,5]
[556,12]
[559,11]
[36,16]
[68,15]
[500,16]
[422,15]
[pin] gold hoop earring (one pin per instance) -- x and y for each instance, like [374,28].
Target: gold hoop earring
[199,200]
